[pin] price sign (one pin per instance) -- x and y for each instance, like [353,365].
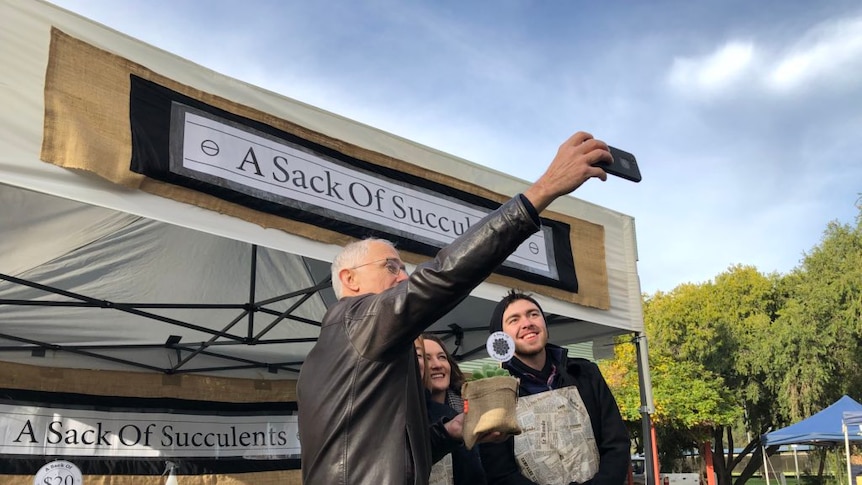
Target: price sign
[59,472]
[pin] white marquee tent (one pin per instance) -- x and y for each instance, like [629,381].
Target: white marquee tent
[109,262]
[106,276]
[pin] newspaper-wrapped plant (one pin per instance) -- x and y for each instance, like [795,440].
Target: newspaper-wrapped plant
[490,399]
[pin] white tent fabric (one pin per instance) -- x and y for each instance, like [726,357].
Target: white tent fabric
[124,258]
[130,260]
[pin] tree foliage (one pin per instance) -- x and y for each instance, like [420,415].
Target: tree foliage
[749,352]
[818,345]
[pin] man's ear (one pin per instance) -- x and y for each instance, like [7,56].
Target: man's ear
[348,280]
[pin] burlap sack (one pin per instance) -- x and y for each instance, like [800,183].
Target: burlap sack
[489,405]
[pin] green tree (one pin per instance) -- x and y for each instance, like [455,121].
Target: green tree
[747,352]
[701,360]
[818,353]
[721,326]
[689,401]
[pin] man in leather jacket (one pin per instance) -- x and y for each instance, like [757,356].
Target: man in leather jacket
[362,415]
[600,453]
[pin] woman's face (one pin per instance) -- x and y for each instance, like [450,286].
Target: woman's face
[438,367]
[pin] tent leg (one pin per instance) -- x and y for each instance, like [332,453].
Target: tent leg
[651,470]
[847,452]
[710,469]
[656,466]
[765,464]
[795,462]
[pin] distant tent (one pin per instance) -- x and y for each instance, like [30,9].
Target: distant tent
[823,428]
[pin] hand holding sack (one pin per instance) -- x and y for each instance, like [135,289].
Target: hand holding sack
[490,404]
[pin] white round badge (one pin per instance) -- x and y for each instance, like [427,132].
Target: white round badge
[59,472]
[500,346]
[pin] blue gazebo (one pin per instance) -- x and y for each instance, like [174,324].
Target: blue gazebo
[828,427]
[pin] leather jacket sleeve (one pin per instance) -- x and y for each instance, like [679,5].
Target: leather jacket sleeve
[401,313]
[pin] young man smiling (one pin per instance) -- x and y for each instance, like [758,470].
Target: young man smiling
[592,443]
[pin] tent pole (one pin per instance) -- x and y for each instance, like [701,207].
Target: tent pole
[795,461]
[252,281]
[765,463]
[847,452]
[710,468]
[651,471]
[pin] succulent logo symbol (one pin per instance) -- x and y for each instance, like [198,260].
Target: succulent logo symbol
[500,346]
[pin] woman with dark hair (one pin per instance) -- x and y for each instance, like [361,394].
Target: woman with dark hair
[443,379]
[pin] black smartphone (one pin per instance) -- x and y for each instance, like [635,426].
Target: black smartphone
[625,165]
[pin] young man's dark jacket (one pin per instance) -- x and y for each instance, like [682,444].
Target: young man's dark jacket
[362,414]
[612,438]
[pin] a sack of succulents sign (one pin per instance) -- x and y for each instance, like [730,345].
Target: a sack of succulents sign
[490,401]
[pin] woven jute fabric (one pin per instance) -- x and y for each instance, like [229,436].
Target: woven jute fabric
[491,405]
[145,384]
[87,128]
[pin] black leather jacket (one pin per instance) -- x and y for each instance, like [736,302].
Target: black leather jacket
[362,414]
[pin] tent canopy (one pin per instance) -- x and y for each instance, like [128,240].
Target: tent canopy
[96,275]
[824,427]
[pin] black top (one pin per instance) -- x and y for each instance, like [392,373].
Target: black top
[612,438]
[466,464]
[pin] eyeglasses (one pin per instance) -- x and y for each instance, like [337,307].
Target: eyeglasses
[392,265]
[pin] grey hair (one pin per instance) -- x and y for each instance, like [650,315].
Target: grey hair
[349,257]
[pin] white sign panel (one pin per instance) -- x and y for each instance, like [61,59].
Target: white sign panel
[227,154]
[31,430]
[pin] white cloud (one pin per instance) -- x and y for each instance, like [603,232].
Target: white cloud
[826,56]
[830,52]
[715,72]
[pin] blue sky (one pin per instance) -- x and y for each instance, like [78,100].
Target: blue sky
[745,116]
